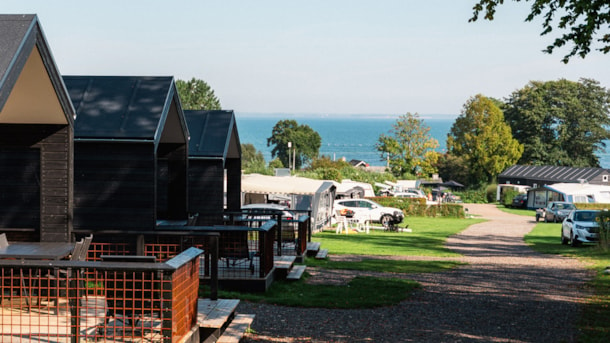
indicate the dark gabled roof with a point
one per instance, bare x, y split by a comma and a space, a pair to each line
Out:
127, 107
552, 173
213, 134
24, 49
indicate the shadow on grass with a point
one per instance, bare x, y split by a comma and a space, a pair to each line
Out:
356, 294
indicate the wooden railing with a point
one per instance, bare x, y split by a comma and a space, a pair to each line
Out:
70, 301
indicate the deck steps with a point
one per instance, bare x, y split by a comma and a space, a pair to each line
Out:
313, 248
321, 255
235, 331
215, 313
296, 272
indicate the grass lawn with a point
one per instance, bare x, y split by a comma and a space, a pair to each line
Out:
518, 211
426, 239
594, 325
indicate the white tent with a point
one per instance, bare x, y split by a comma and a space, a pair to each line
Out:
305, 194
347, 184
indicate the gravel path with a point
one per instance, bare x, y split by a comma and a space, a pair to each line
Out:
507, 293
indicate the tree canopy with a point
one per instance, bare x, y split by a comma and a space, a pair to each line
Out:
581, 22
252, 160
409, 146
483, 139
197, 95
305, 141
560, 123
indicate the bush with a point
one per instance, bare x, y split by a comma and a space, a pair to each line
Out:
418, 207
490, 193
506, 198
473, 196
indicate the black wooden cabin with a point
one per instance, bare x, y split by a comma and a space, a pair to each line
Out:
36, 136
130, 150
214, 154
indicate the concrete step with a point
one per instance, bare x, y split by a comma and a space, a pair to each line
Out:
296, 272
321, 255
235, 331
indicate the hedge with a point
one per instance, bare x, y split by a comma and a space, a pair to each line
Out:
418, 207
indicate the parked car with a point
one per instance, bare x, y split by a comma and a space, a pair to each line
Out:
557, 211
368, 210
520, 201
580, 226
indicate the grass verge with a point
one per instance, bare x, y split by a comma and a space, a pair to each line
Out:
356, 294
386, 266
593, 324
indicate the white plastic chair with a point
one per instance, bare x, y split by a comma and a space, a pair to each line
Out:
342, 223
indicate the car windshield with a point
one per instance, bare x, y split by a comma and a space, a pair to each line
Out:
565, 207
585, 216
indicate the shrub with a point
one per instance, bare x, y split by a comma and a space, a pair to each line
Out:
418, 207
490, 193
506, 198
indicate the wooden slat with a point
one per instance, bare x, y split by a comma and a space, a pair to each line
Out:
313, 246
215, 313
235, 332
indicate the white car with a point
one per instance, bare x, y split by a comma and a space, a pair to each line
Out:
368, 210
580, 226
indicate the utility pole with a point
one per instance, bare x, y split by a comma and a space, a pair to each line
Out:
289, 148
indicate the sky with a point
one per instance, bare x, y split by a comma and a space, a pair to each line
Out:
312, 57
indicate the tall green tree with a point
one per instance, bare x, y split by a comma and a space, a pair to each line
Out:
409, 146
560, 123
582, 22
252, 160
197, 95
305, 142
483, 139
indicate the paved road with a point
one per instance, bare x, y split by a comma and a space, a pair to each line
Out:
507, 293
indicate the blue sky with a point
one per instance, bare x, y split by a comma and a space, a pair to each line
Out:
327, 57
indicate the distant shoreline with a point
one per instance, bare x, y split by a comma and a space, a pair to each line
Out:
280, 115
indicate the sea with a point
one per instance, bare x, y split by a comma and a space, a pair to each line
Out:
352, 137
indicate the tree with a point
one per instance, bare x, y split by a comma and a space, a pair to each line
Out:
582, 21
560, 123
305, 141
197, 95
409, 146
482, 137
252, 160
454, 168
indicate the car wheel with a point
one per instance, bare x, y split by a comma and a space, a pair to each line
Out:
555, 219
387, 222
564, 240
546, 219
573, 242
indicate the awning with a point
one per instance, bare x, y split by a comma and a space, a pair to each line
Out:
264, 184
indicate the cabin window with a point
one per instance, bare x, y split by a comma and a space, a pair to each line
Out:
604, 178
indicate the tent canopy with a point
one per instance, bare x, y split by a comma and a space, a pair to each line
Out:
264, 184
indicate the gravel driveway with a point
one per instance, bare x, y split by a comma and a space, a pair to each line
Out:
507, 293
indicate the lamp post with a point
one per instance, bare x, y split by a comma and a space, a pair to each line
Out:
289, 148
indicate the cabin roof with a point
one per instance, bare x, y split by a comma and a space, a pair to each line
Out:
27, 72
552, 174
213, 134
127, 108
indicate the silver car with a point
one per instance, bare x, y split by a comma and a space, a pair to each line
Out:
557, 211
580, 226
